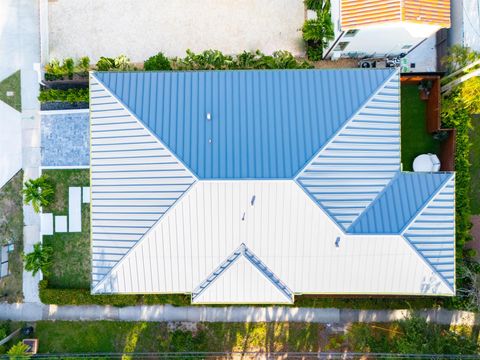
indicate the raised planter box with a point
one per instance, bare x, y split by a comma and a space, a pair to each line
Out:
59, 105
66, 84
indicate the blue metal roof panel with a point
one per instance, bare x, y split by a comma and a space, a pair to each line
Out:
264, 124
399, 203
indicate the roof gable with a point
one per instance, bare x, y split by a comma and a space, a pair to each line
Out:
263, 124
399, 203
242, 278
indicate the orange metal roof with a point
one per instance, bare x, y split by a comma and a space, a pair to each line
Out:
358, 13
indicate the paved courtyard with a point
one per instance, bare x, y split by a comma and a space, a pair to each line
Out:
65, 139
110, 27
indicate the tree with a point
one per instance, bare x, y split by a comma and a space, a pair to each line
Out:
38, 192
18, 352
38, 259
318, 32
459, 57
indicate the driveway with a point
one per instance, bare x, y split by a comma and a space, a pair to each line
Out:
141, 28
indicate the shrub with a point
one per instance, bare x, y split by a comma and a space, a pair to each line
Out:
105, 64
70, 95
83, 66
157, 62
318, 32
38, 259
84, 297
121, 63
38, 192
216, 60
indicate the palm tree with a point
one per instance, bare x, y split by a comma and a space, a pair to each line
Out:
38, 192
38, 259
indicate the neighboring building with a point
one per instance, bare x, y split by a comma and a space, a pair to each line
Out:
465, 29
381, 28
255, 186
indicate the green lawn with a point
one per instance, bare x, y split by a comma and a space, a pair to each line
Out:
415, 139
71, 251
410, 336
475, 166
114, 336
11, 229
11, 83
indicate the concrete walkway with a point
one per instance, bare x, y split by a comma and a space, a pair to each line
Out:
29, 53
35, 312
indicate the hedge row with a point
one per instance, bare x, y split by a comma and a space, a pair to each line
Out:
70, 95
84, 297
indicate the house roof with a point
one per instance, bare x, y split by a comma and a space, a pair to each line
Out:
166, 221
359, 13
264, 124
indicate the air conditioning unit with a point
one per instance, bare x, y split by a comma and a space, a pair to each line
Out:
366, 64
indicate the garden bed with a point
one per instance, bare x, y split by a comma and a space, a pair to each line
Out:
11, 228
59, 105
475, 166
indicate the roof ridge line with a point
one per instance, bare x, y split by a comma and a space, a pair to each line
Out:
345, 124
120, 261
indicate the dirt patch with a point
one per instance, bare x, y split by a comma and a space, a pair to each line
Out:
475, 231
336, 64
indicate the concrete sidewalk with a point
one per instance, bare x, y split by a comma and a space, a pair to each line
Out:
34, 312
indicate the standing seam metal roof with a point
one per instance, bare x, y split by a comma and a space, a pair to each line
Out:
264, 124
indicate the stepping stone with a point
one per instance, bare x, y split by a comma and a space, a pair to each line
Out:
4, 271
46, 224
86, 194
60, 224
74, 209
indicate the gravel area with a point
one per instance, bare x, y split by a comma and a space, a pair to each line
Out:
141, 28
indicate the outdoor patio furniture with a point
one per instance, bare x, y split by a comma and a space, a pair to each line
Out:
426, 163
60, 224
46, 224
74, 209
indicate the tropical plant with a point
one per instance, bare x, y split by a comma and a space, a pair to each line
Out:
314, 4
38, 192
18, 352
69, 67
459, 57
105, 64
83, 65
122, 63
318, 32
157, 62
38, 259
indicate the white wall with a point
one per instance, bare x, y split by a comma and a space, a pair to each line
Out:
465, 28
385, 39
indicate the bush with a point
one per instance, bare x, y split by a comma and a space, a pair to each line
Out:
157, 62
68, 68
70, 95
120, 63
216, 60
318, 32
84, 297
314, 51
